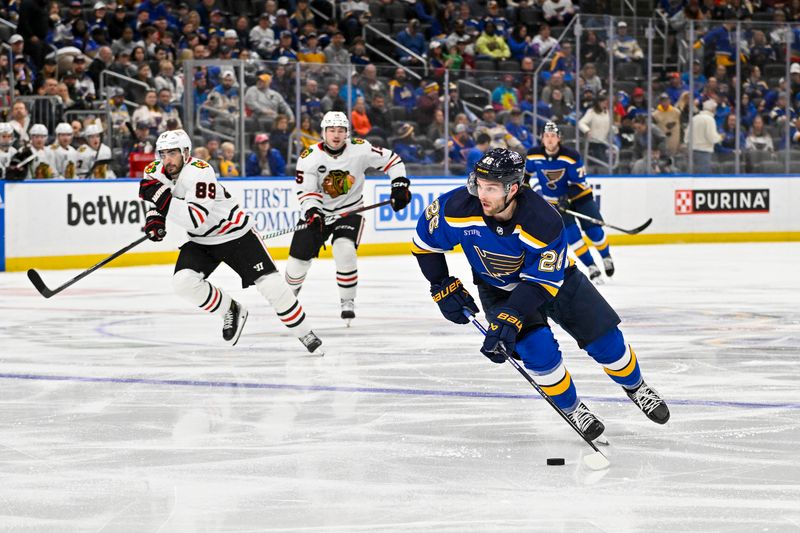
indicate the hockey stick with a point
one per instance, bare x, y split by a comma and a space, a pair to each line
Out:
599, 222
303, 225
37, 281
596, 460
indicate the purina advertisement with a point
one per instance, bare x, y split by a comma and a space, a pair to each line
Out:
74, 224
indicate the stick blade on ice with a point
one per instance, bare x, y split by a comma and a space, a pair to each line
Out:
596, 461
38, 282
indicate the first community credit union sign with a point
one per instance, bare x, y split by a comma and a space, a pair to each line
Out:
721, 201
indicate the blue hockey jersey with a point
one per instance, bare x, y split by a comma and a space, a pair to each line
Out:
530, 248
558, 175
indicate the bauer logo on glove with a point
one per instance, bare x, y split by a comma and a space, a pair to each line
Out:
337, 183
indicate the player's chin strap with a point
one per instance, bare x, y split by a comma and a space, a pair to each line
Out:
596, 460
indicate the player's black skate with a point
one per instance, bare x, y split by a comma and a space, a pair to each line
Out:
648, 400
348, 310
608, 266
312, 343
233, 322
594, 274
587, 422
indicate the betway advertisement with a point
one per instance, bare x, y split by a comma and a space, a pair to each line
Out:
59, 224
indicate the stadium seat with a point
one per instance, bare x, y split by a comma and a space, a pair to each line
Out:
627, 71
395, 12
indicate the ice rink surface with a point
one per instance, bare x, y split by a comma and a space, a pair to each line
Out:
124, 411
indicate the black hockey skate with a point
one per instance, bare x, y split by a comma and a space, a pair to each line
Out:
647, 399
348, 310
608, 266
233, 322
587, 422
312, 343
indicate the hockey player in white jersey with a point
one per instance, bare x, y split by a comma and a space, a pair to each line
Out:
42, 167
62, 154
7, 149
330, 182
93, 151
219, 231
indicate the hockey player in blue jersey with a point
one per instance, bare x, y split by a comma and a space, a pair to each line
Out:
561, 180
517, 248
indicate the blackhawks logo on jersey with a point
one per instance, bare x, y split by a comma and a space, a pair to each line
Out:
356, 140
99, 171
149, 169
69, 171
42, 171
200, 164
337, 183
305, 153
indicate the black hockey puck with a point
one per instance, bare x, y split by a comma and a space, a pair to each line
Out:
555, 461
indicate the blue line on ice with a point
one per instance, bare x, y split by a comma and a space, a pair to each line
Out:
369, 390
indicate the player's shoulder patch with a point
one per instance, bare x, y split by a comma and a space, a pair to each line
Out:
82, 148
357, 140
306, 153
151, 168
54, 146
199, 163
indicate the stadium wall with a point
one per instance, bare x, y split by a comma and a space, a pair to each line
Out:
64, 224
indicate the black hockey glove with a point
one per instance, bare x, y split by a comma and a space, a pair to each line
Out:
563, 203
452, 298
315, 219
401, 195
155, 226
152, 190
501, 335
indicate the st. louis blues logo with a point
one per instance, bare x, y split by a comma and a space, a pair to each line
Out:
553, 176
499, 265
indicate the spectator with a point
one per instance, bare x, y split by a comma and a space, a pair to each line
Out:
370, 84
227, 167
262, 37
516, 128
498, 134
457, 105
676, 87
169, 111
225, 97
359, 118
491, 45
495, 16
703, 137
379, 117
482, 144
20, 121
520, 43
759, 140
760, 51
332, 101
625, 47
436, 128
562, 61
668, 118
557, 82
285, 47
504, 97
590, 79
658, 164
311, 52
411, 41
559, 110
729, 137
337, 56
405, 147
264, 102
719, 39
543, 42
754, 86
120, 116
596, 124
310, 103
593, 50
265, 160
150, 112
558, 12
640, 136
700, 79
167, 79
460, 144
309, 134
281, 134
102, 61
427, 104
402, 91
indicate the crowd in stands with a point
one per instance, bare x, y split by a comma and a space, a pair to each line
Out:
462, 81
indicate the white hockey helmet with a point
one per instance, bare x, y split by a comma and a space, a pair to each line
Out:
63, 129
333, 119
6, 128
38, 129
175, 139
92, 129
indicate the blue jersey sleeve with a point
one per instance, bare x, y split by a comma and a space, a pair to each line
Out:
433, 235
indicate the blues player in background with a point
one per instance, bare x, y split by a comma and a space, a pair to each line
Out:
517, 247
561, 180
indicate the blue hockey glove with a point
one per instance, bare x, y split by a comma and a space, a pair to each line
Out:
452, 298
501, 335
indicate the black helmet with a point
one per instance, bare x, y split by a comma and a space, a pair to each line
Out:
551, 127
498, 164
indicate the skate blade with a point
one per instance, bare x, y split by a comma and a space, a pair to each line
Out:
602, 440
242, 321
